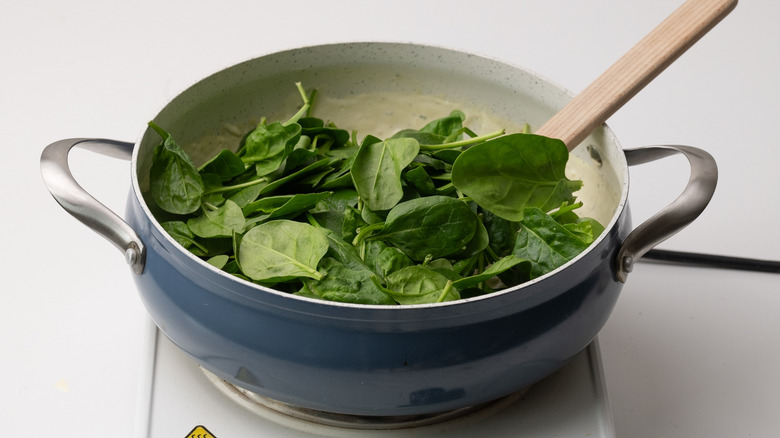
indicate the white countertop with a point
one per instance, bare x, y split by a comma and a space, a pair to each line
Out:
688, 352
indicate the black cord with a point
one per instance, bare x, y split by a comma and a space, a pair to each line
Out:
713, 261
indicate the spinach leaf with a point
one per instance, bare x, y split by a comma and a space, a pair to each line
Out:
509, 173
385, 259
545, 243
268, 145
214, 246
493, 270
587, 229
340, 177
351, 223
565, 213
334, 211
418, 178
246, 195
281, 250
376, 171
436, 132
430, 162
372, 217
347, 285
294, 176
300, 156
323, 133
446, 126
220, 222
419, 285
501, 233
284, 205
226, 165
447, 155
477, 244
212, 194
419, 136
183, 236
176, 185
344, 253
443, 267
218, 261
433, 226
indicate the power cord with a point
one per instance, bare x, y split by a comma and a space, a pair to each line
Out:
713, 261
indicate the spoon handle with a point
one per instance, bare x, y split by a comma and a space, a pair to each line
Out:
635, 69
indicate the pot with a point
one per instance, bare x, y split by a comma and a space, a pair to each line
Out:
379, 361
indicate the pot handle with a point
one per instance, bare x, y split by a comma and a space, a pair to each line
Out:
80, 204
677, 215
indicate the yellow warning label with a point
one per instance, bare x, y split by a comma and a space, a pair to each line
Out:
200, 432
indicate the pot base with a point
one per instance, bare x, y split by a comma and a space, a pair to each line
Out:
307, 419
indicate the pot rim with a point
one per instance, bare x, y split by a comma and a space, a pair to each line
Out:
608, 135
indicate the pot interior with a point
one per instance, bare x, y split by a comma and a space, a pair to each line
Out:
377, 89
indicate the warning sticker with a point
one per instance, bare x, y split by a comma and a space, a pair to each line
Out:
200, 432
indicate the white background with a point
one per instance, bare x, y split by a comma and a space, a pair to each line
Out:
688, 352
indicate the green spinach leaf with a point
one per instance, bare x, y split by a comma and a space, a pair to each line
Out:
219, 261
226, 165
545, 243
176, 185
501, 233
433, 226
420, 285
509, 173
221, 222
376, 171
347, 285
587, 229
418, 178
493, 270
284, 206
268, 145
183, 236
385, 259
281, 250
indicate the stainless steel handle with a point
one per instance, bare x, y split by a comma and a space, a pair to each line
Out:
76, 201
677, 215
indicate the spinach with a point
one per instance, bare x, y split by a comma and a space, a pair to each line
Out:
281, 250
385, 259
219, 261
420, 285
268, 145
545, 243
433, 226
225, 165
176, 185
431, 214
182, 234
274, 207
219, 222
493, 270
347, 285
506, 174
376, 171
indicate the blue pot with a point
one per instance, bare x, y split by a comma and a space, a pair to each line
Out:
376, 360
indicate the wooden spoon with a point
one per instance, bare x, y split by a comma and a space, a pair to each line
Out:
641, 64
